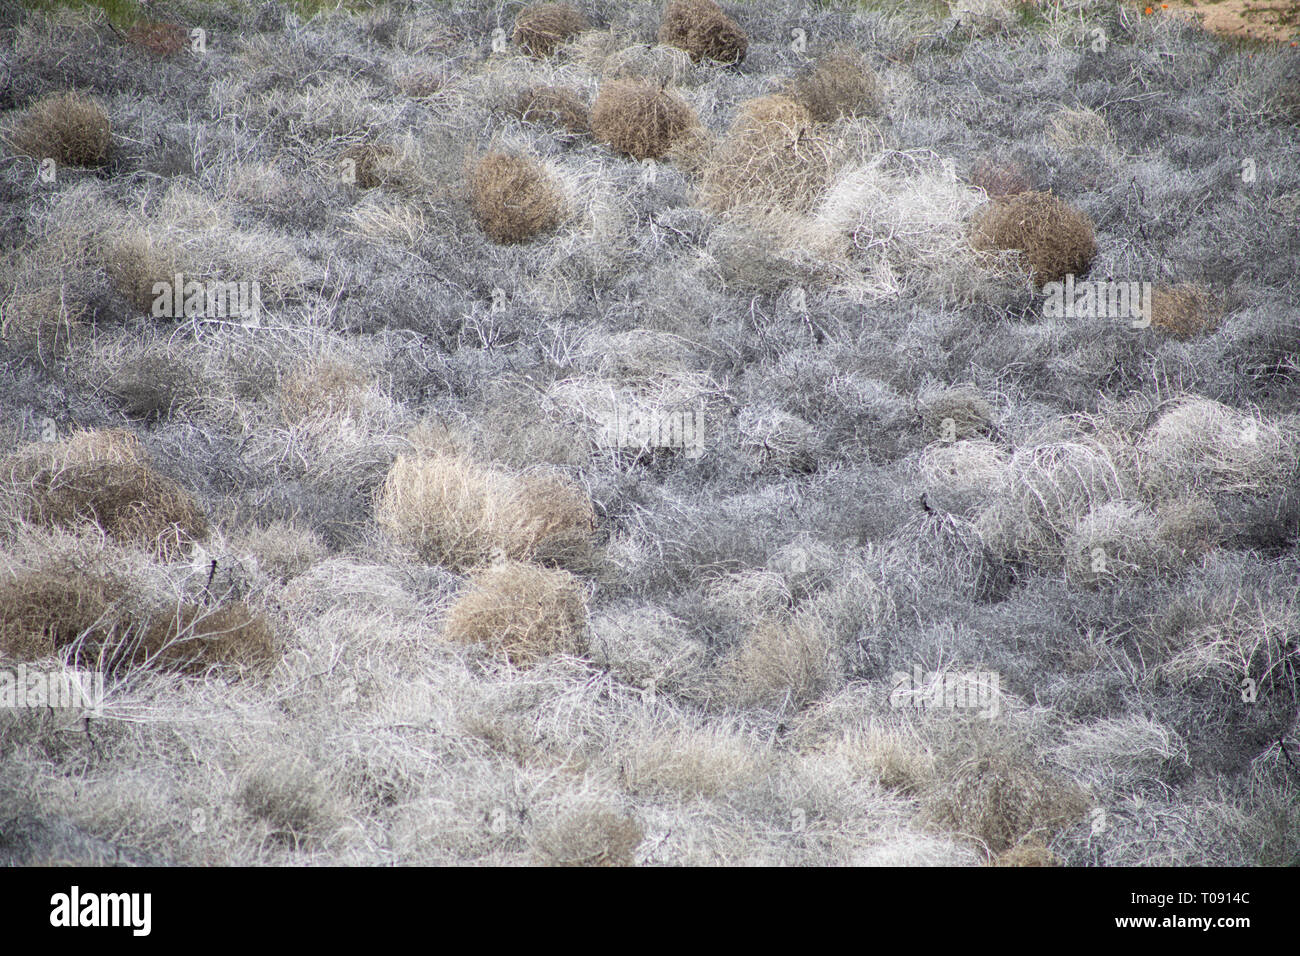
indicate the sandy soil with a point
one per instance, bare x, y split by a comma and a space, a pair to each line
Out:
1274, 20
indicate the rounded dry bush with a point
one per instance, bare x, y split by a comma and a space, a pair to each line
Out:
963, 475
320, 389
69, 128
103, 478
46, 609
702, 29
1222, 635
640, 120
1029, 853
522, 612
105, 623
194, 638
422, 84
708, 762
513, 198
542, 28
553, 522
371, 164
160, 39
839, 84
955, 414
1113, 542
42, 323
1050, 487
1079, 129
459, 514
556, 106
770, 159
770, 248
136, 263
894, 759
1198, 444
151, 382
588, 836
783, 661
1000, 800
1184, 311
284, 550
1052, 238
659, 64
774, 108
291, 797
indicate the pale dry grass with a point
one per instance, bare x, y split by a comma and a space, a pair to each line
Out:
905, 216
606, 55
1053, 485
1113, 542
1229, 637
1129, 749
889, 756
1080, 129
727, 704
689, 763
521, 612
194, 234
646, 647
102, 479
283, 549
963, 476
772, 158
998, 801
460, 514
100, 620
320, 389
42, 322
1197, 444
784, 661
588, 835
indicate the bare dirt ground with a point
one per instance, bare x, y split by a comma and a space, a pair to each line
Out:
1268, 20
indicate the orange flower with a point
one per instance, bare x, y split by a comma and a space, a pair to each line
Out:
1148, 11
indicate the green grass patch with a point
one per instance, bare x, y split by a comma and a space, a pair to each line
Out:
122, 14
936, 9
1030, 15
309, 8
